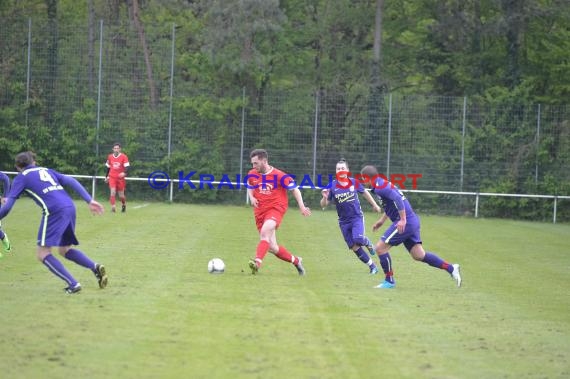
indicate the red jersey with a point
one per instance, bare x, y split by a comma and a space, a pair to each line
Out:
270, 189
117, 164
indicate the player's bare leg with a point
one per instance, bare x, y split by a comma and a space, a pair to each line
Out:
112, 199
123, 199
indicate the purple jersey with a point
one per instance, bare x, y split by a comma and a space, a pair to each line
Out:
346, 199
45, 187
392, 200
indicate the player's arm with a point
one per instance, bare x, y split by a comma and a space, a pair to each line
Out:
6, 183
380, 222
65, 180
325, 197
126, 166
6, 186
305, 211
252, 198
371, 200
392, 193
74, 185
108, 170
14, 193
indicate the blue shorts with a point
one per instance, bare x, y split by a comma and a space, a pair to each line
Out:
58, 228
353, 232
410, 237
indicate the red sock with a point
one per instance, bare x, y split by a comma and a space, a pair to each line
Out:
261, 251
112, 200
286, 256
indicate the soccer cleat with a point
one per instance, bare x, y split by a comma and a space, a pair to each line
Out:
373, 270
386, 284
123, 208
253, 266
299, 267
370, 247
73, 289
101, 275
456, 274
6, 243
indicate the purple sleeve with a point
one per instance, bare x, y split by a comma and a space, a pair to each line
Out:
6, 181
15, 192
7, 207
386, 189
330, 195
75, 185
358, 186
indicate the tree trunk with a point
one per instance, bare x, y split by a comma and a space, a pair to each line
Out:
91, 47
377, 56
514, 20
51, 63
134, 4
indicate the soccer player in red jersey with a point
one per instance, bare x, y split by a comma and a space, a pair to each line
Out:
117, 165
267, 191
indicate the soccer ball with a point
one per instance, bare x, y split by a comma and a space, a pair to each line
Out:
216, 266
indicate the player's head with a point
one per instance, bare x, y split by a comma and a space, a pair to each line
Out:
370, 172
25, 159
116, 148
259, 160
342, 168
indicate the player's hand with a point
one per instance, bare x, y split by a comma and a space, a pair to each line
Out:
306, 211
3, 200
377, 225
96, 208
106, 179
376, 209
325, 193
122, 175
254, 202
401, 226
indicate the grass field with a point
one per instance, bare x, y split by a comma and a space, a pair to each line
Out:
164, 316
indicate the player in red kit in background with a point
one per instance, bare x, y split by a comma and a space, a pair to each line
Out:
267, 191
117, 165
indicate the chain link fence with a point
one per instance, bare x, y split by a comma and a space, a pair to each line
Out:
69, 94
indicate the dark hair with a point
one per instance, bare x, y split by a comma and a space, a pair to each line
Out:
25, 159
116, 144
259, 153
342, 160
369, 170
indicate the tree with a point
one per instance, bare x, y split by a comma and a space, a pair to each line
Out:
134, 11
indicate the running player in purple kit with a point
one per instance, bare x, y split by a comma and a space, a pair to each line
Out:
57, 225
3, 236
405, 229
344, 194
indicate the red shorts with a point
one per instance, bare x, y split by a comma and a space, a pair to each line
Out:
270, 214
118, 183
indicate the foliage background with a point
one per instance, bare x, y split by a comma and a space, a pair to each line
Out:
307, 80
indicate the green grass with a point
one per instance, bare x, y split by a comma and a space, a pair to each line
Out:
164, 316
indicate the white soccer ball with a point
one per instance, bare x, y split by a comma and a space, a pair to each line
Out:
216, 266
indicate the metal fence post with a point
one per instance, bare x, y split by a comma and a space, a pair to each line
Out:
98, 121
242, 139
171, 195
463, 143
389, 136
28, 70
316, 124
537, 145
